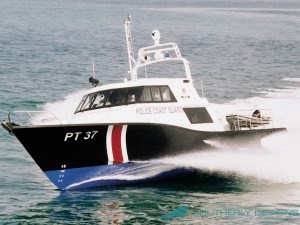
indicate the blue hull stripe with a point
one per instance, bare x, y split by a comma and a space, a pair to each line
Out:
115, 174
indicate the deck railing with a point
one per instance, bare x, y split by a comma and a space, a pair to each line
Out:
250, 119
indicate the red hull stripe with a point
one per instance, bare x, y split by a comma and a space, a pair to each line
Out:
116, 144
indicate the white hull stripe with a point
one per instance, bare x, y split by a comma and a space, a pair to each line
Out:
116, 144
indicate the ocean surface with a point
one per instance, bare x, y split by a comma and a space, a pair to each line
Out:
247, 54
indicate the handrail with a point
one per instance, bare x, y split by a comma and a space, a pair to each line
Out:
249, 120
34, 117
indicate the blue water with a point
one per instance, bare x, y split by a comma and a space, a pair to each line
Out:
245, 53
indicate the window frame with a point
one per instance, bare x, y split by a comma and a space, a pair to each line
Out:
155, 94
201, 113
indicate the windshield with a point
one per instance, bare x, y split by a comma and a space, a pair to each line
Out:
125, 96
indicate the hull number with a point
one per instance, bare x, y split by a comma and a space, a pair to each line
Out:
89, 135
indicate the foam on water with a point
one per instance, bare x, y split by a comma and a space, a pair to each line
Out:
295, 79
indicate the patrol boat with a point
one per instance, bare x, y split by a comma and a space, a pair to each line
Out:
117, 128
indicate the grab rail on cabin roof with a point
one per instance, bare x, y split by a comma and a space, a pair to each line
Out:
36, 117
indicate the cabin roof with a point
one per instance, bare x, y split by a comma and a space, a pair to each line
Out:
140, 82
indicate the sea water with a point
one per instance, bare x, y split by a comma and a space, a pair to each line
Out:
247, 55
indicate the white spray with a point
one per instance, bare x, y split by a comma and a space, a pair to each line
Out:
64, 109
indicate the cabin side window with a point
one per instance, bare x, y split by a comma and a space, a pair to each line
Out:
117, 97
155, 94
133, 94
146, 95
165, 94
198, 115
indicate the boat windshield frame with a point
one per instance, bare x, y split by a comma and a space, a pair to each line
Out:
125, 96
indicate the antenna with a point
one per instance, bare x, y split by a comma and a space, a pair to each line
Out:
130, 52
94, 69
93, 79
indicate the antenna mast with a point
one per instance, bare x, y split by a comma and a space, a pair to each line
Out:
130, 52
94, 76
93, 79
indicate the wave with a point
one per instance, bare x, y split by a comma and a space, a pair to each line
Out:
292, 79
